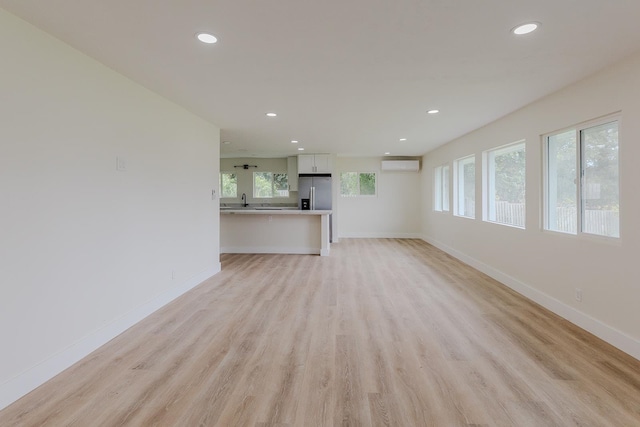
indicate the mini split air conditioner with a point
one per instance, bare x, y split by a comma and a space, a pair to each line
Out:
401, 165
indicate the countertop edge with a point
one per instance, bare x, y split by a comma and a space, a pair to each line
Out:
273, 212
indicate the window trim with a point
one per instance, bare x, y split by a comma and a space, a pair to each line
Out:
437, 188
544, 205
358, 173
488, 185
457, 194
440, 191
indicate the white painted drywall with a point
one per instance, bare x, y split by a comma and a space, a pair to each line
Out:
86, 250
394, 212
549, 266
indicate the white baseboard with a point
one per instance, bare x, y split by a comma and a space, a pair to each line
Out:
603, 331
15, 388
384, 235
269, 250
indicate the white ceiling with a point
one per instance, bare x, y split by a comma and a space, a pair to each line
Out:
352, 76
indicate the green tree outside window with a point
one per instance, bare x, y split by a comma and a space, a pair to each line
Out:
354, 184
267, 185
228, 185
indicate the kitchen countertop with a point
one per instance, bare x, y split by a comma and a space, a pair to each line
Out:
273, 211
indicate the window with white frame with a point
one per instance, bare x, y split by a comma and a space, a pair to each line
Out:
465, 187
228, 185
581, 180
504, 185
441, 188
267, 185
354, 184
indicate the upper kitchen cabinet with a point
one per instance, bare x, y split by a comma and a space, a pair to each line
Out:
292, 172
314, 163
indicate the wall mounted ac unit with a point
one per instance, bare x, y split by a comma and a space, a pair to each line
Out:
401, 165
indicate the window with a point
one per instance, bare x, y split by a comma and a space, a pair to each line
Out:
465, 186
228, 185
504, 185
267, 185
441, 188
354, 184
582, 187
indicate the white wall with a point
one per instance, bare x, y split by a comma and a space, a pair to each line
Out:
394, 212
549, 266
245, 178
85, 250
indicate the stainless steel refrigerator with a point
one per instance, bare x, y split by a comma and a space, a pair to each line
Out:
316, 188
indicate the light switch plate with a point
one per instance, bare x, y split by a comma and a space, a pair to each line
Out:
121, 164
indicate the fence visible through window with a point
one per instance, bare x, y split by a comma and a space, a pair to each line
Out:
510, 213
603, 223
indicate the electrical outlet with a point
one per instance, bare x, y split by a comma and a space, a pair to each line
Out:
173, 274
578, 295
270, 218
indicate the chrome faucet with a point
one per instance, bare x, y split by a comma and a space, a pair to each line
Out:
244, 200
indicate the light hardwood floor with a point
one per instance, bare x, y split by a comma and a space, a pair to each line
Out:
383, 332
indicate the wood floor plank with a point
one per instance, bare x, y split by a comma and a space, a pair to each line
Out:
351, 407
384, 332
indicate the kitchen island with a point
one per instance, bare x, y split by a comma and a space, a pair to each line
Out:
274, 231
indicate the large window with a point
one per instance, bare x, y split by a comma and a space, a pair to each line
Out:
581, 188
441, 188
465, 187
228, 185
268, 185
353, 184
504, 185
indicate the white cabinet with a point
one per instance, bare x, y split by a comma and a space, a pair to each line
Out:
314, 163
306, 163
323, 163
292, 173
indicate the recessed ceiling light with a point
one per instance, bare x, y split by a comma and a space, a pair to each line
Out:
206, 38
226, 142
387, 153
300, 149
525, 28
270, 114
293, 141
403, 139
433, 111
